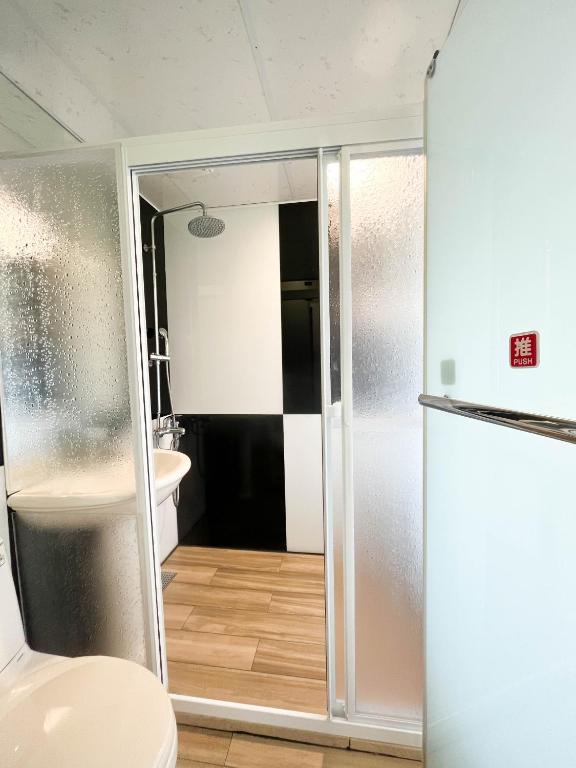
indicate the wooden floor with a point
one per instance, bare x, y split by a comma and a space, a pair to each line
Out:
247, 627
203, 748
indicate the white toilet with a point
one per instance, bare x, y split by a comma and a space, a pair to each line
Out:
88, 712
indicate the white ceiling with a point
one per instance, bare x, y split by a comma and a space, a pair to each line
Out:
24, 125
134, 67
246, 184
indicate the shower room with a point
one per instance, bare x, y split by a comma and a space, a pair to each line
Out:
236, 311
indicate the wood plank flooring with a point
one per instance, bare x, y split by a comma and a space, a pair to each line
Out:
202, 748
247, 627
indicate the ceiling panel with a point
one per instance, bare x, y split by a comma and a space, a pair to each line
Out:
327, 57
28, 60
156, 66
231, 185
133, 67
24, 125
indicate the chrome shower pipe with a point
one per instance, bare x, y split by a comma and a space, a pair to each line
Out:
157, 358
164, 333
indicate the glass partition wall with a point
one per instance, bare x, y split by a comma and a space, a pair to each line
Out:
75, 470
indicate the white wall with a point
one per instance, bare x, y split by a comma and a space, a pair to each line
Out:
224, 320
303, 483
224, 314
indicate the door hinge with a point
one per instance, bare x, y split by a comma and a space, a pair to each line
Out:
432, 66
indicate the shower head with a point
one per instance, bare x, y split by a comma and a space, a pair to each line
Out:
206, 226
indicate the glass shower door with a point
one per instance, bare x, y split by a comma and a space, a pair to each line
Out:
375, 261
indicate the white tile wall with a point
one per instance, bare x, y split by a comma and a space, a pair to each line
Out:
223, 299
303, 480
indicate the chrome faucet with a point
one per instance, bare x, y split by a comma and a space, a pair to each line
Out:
168, 425
165, 425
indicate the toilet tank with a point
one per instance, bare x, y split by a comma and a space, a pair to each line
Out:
11, 629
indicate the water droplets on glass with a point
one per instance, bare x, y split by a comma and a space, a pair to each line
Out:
66, 399
61, 310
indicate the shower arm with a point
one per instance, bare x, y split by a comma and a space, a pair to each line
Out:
152, 248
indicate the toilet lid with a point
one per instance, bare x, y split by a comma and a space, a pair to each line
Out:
90, 712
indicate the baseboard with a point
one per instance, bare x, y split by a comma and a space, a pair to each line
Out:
300, 735
259, 729
382, 748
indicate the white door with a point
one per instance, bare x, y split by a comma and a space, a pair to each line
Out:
501, 517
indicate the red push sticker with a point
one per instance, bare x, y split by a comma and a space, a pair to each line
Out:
524, 350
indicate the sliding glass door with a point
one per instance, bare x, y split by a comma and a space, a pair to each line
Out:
374, 426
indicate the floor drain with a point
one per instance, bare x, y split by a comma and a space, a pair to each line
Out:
167, 577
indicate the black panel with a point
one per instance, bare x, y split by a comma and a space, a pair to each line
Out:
146, 213
60, 580
192, 504
301, 354
46, 612
242, 463
299, 270
298, 224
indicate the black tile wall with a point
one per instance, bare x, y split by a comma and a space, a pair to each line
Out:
299, 274
241, 461
299, 255
146, 213
192, 505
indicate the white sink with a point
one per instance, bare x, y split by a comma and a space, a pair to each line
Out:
109, 486
170, 467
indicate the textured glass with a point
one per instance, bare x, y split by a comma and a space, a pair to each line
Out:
64, 370
80, 588
387, 320
66, 405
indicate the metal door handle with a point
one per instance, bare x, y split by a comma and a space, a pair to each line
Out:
546, 426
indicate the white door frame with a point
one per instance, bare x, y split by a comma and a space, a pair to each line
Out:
401, 129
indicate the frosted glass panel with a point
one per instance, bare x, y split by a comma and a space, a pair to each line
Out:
65, 400
80, 584
387, 309
64, 370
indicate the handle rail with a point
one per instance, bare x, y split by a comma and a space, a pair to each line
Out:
546, 426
